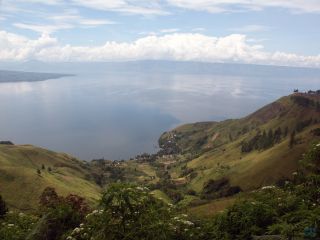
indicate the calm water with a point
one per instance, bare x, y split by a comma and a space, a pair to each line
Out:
119, 115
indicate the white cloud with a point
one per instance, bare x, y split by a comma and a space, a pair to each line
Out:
66, 20
170, 30
176, 46
250, 28
216, 6
142, 7
161, 7
42, 28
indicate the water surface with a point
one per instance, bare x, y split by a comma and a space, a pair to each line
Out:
118, 115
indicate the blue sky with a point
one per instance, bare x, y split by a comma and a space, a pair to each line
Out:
280, 32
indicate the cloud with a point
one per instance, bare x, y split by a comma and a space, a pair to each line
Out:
66, 20
141, 7
164, 7
170, 30
43, 28
217, 6
176, 46
250, 28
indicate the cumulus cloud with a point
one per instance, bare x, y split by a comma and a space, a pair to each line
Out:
175, 46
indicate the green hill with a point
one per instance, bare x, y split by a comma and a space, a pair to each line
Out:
21, 185
251, 152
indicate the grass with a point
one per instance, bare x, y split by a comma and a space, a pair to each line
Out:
21, 185
220, 155
161, 195
210, 209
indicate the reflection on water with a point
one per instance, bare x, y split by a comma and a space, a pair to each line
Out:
118, 116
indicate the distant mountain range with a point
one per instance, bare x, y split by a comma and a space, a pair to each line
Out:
152, 66
20, 76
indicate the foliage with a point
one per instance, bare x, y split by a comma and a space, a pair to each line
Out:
59, 215
219, 188
3, 207
16, 226
130, 212
290, 211
262, 141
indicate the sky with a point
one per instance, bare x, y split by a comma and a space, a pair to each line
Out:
276, 32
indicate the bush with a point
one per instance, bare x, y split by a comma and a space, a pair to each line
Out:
130, 212
16, 226
59, 215
3, 208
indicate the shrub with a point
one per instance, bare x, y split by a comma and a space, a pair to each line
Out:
59, 215
3, 208
16, 226
130, 212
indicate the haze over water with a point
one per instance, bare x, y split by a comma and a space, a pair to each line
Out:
117, 115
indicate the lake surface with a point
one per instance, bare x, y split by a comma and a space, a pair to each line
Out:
118, 115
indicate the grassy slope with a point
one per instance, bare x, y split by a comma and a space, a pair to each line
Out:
21, 186
220, 154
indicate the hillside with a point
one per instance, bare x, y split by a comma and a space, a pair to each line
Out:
240, 150
21, 185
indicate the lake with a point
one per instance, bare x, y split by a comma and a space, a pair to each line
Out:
116, 115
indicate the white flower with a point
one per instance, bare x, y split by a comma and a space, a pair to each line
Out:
188, 223
268, 187
76, 230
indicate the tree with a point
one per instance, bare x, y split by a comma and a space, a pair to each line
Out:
38, 172
292, 140
286, 130
59, 215
277, 135
3, 208
49, 198
43, 167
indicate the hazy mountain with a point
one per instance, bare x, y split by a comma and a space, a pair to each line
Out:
163, 67
20, 76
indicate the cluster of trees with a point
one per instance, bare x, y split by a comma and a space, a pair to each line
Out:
56, 216
219, 188
6, 143
303, 124
264, 140
305, 102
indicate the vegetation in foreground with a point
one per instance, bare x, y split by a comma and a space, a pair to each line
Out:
128, 211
